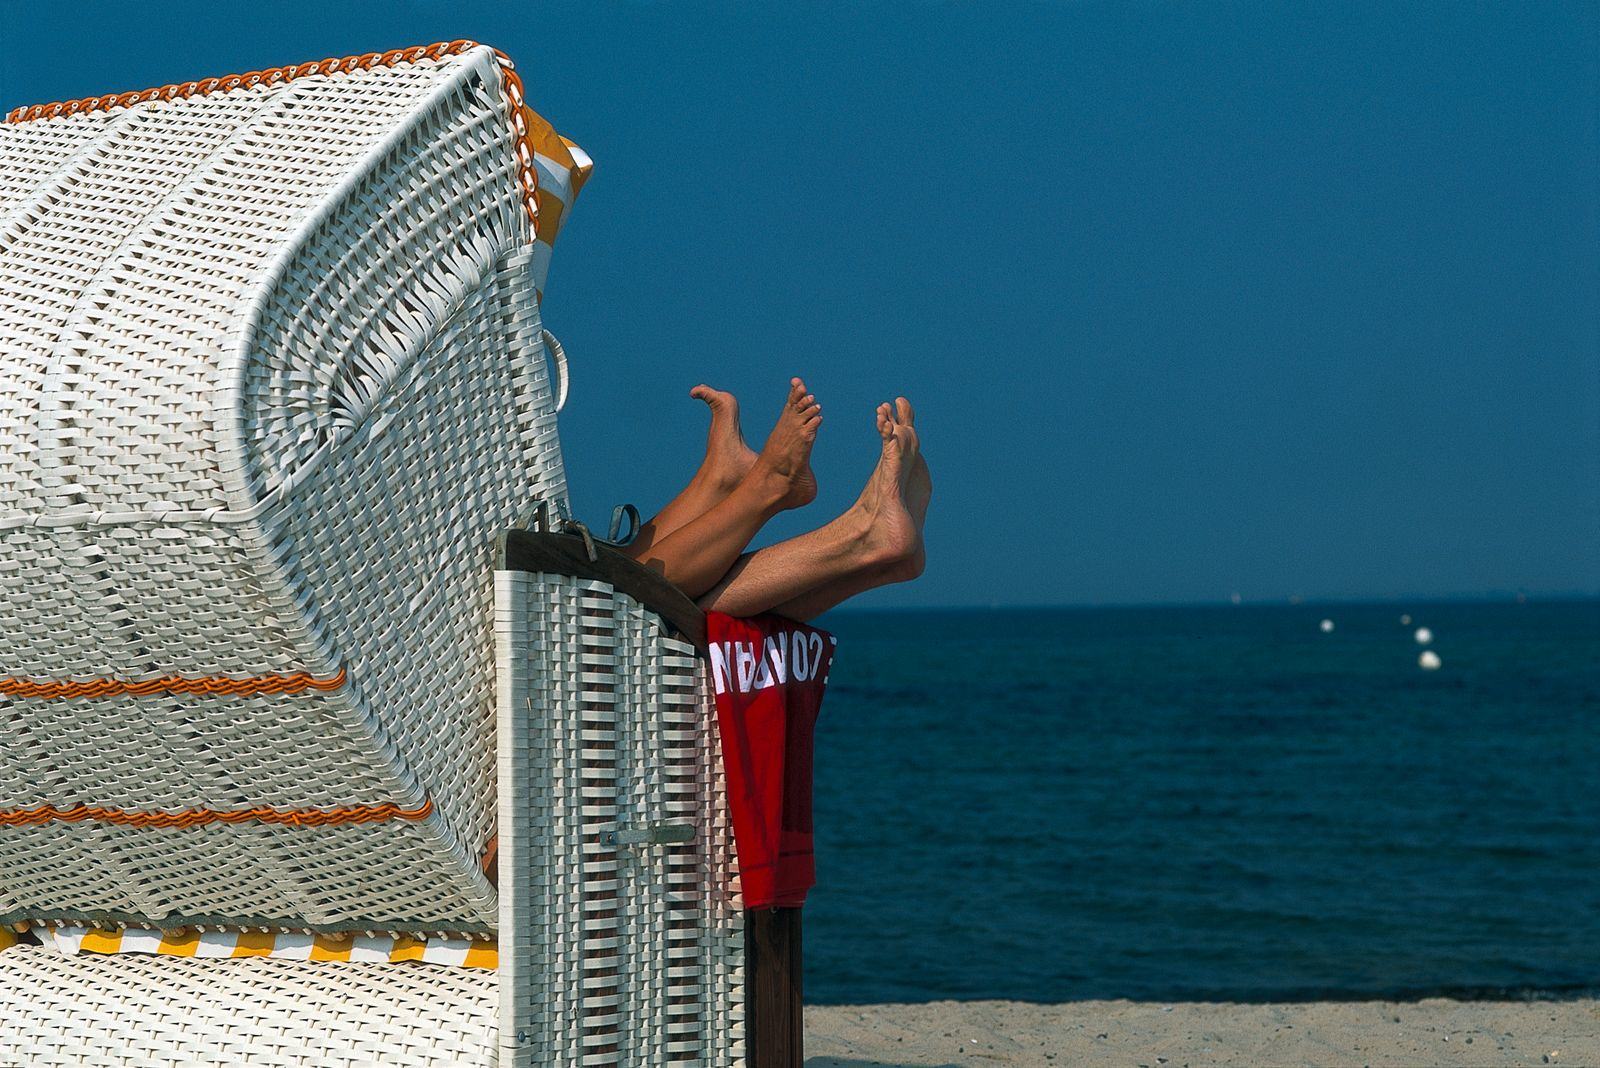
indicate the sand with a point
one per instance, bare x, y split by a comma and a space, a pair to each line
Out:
1179, 1035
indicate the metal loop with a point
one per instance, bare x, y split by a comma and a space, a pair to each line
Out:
618, 514
559, 355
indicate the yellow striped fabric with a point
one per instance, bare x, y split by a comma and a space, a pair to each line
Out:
562, 169
455, 952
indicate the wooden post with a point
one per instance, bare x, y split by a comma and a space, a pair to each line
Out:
774, 1005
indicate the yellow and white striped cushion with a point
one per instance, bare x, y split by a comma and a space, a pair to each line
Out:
562, 167
456, 952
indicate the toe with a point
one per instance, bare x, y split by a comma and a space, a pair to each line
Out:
885, 422
797, 391
716, 398
904, 412
906, 438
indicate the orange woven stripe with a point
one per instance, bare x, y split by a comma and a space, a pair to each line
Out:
200, 817
267, 684
521, 128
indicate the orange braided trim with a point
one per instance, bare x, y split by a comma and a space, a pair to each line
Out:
200, 817
521, 128
267, 684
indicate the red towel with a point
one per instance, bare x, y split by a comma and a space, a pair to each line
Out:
769, 673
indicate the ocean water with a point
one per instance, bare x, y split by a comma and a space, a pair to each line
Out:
1208, 803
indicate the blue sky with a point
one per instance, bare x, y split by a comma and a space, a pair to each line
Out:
1270, 298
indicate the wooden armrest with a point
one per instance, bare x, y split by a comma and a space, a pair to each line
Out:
567, 554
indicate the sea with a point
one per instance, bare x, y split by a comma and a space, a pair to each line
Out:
1208, 803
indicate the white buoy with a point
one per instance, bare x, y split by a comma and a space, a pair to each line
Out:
1327, 626
1424, 636
1429, 660
1405, 621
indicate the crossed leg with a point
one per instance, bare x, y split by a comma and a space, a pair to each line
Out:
695, 539
877, 541
728, 459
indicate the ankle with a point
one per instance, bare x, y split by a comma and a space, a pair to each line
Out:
853, 530
880, 541
767, 485
762, 490
715, 479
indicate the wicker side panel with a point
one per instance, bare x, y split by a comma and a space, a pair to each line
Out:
611, 955
396, 406
345, 877
135, 1011
136, 600
168, 752
390, 538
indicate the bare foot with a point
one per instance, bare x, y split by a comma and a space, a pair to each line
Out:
919, 492
892, 533
784, 465
919, 485
728, 458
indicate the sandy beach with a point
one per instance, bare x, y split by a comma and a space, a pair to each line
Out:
1379, 1034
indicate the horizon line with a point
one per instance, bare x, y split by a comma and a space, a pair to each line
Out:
1247, 602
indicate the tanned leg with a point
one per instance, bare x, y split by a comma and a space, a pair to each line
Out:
696, 555
728, 459
876, 541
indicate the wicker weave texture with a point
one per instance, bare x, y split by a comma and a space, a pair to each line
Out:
95, 1011
610, 955
271, 376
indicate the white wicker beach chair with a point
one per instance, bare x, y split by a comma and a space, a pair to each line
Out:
273, 379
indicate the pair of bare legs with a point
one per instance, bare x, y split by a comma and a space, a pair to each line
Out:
698, 540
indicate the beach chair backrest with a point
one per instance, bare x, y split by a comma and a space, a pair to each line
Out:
272, 377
